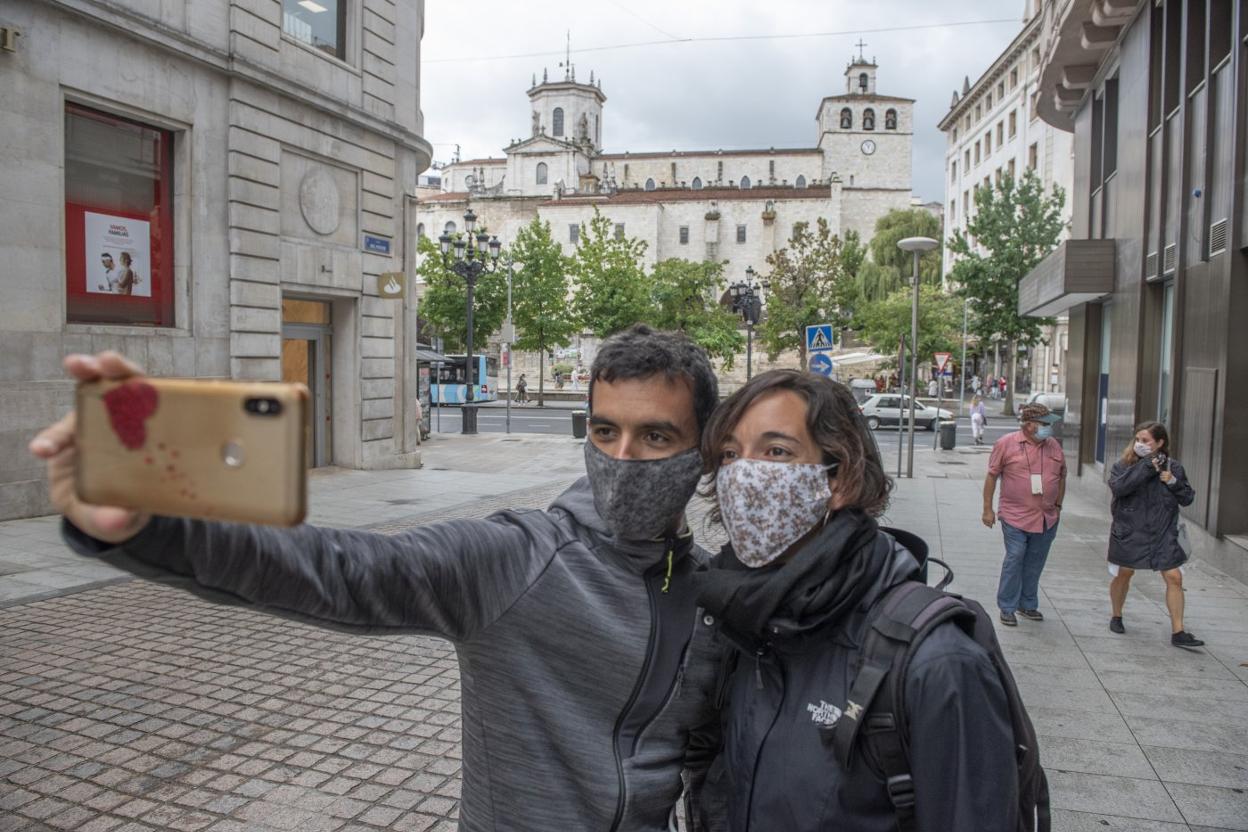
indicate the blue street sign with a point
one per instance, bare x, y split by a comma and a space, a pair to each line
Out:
377, 245
819, 338
821, 364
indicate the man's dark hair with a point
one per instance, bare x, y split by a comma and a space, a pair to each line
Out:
641, 352
834, 422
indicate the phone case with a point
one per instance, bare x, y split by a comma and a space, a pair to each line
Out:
194, 448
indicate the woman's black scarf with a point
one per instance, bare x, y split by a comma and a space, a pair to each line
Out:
824, 581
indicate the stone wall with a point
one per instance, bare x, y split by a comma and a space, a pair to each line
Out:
283, 159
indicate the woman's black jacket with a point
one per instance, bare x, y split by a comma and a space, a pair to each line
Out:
776, 773
1145, 533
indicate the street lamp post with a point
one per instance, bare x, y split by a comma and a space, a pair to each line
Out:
747, 303
915, 245
474, 255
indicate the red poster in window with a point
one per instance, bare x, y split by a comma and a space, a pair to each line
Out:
118, 221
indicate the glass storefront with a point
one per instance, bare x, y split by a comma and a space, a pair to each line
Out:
118, 220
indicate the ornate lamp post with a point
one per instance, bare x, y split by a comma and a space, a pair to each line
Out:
747, 303
474, 254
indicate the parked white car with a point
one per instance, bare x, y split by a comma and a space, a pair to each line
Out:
882, 409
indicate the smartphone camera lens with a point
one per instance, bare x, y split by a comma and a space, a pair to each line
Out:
262, 406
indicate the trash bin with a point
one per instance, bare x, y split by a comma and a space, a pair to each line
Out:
948, 435
578, 424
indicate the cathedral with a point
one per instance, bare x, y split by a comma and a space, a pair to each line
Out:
731, 205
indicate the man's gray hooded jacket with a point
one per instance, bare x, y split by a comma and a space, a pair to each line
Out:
584, 660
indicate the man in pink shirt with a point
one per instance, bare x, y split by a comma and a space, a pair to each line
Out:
1032, 469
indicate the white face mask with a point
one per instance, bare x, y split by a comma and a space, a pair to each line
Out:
767, 506
1142, 450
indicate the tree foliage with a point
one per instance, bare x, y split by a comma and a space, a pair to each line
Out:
896, 226
1014, 227
685, 299
882, 323
808, 286
540, 311
613, 291
444, 305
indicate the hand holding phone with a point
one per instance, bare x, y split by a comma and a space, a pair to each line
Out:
55, 444
197, 448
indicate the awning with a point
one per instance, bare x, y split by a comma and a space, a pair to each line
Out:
431, 356
1078, 271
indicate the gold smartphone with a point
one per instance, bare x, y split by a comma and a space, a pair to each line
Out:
194, 448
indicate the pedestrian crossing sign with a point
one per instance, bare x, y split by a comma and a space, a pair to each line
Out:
819, 338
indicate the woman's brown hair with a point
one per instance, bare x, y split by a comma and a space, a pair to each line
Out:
834, 422
1156, 430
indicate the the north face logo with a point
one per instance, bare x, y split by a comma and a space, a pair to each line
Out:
824, 713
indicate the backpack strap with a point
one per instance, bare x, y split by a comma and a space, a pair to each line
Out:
898, 622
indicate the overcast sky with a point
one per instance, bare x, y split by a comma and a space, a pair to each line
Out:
700, 95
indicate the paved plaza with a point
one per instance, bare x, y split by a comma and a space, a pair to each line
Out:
131, 705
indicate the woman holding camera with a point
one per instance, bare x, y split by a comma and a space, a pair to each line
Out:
1148, 487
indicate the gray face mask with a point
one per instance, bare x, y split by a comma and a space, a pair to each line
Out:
639, 498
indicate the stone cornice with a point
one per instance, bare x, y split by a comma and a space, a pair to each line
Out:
125, 22
1024, 39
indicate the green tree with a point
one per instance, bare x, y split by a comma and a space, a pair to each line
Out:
897, 225
444, 304
612, 287
1015, 225
807, 287
940, 322
685, 299
539, 300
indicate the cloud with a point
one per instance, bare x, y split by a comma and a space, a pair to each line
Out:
691, 96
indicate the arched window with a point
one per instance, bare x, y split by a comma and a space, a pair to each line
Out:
890, 119
847, 118
558, 122
745, 182
697, 183
801, 182
649, 184
449, 228
862, 81
868, 119
542, 171
420, 231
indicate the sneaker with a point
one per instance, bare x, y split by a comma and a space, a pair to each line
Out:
1008, 619
1115, 625
1185, 639
1032, 615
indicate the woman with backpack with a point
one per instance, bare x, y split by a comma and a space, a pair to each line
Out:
1148, 486
796, 596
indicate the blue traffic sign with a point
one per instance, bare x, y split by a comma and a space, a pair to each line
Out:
821, 364
819, 338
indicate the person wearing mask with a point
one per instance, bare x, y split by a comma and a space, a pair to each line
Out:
591, 671
979, 418
798, 484
1148, 486
1032, 469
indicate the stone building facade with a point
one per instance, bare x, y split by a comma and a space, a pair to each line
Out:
245, 166
858, 170
993, 128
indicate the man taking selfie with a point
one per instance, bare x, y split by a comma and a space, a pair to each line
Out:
585, 665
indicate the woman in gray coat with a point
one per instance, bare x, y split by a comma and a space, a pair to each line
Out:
1148, 488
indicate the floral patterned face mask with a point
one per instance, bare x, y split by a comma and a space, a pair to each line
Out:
767, 506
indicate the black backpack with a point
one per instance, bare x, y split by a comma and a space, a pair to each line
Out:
896, 625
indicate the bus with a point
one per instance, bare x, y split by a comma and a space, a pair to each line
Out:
451, 384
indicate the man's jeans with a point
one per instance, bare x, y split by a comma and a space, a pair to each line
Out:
1025, 554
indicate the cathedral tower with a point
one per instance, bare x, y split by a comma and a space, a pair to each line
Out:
567, 110
866, 140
